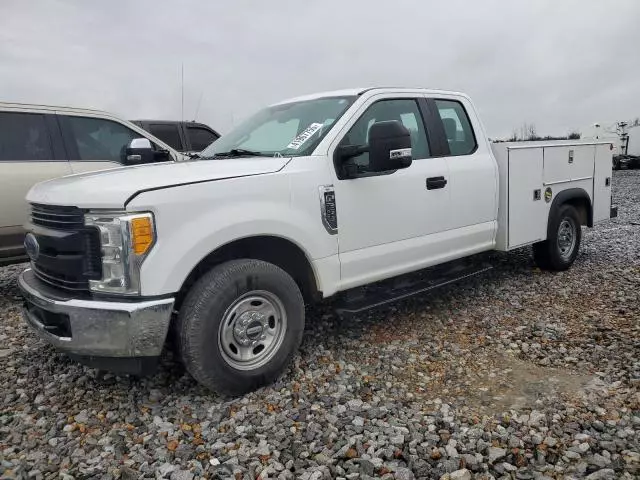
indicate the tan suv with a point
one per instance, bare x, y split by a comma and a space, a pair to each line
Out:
39, 142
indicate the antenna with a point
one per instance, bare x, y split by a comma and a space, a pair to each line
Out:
195, 115
182, 95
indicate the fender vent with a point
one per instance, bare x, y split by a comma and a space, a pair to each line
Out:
328, 208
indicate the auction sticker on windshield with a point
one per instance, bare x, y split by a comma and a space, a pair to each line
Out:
305, 135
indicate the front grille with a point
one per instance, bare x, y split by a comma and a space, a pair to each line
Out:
59, 218
61, 279
69, 253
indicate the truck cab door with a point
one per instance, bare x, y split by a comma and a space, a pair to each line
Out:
387, 222
473, 173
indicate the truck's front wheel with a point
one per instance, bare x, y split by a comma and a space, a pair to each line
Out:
240, 325
560, 249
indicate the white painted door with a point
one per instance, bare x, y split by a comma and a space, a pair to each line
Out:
473, 176
528, 209
384, 221
602, 183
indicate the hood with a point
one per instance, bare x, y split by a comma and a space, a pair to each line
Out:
112, 188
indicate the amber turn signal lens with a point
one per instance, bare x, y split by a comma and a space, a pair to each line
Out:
141, 234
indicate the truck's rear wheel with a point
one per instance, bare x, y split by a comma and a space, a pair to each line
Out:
240, 325
560, 249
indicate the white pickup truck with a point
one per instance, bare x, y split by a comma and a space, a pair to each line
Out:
308, 198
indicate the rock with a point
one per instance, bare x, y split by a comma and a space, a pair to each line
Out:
322, 459
366, 467
358, 421
451, 451
182, 475
127, 473
604, 474
263, 450
421, 468
572, 455
184, 452
397, 440
81, 417
536, 419
583, 447
496, 453
550, 441
599, 460
403, 474
462, 474
166, 468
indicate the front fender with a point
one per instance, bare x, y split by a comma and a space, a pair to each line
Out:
186, 234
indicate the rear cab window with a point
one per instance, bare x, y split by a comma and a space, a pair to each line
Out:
457, 127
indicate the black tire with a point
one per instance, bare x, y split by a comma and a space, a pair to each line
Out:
549, 255
199, 330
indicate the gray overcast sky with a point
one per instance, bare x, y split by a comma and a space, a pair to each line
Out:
560, 64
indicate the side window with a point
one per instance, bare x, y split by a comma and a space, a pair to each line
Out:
24, 136
100, 139
402, 110
168, 133
200, 138
457, 127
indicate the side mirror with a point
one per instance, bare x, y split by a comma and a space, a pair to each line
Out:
139, 151
389, 146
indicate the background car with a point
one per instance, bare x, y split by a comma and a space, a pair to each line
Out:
185, 137
39, 143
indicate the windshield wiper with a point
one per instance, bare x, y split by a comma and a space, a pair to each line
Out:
238, 152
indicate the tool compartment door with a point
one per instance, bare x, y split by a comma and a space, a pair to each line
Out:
602, 183
527, 210
568, 163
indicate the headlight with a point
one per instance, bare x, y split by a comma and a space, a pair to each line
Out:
125, 240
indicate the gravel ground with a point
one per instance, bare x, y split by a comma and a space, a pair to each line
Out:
514, 374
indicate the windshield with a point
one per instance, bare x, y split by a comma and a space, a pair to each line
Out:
289, 129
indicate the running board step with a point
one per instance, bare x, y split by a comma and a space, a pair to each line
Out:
388, 291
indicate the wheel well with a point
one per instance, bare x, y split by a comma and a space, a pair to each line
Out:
578, 199
583, 207
279, 251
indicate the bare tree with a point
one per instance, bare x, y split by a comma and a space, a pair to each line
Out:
528, 132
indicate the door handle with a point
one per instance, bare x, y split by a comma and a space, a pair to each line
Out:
434, 183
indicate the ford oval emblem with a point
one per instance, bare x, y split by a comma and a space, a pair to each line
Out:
32, 246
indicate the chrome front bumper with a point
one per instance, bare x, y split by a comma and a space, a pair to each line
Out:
96, 328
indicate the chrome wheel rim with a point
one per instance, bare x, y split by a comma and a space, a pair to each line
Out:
566, 238
252, 330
